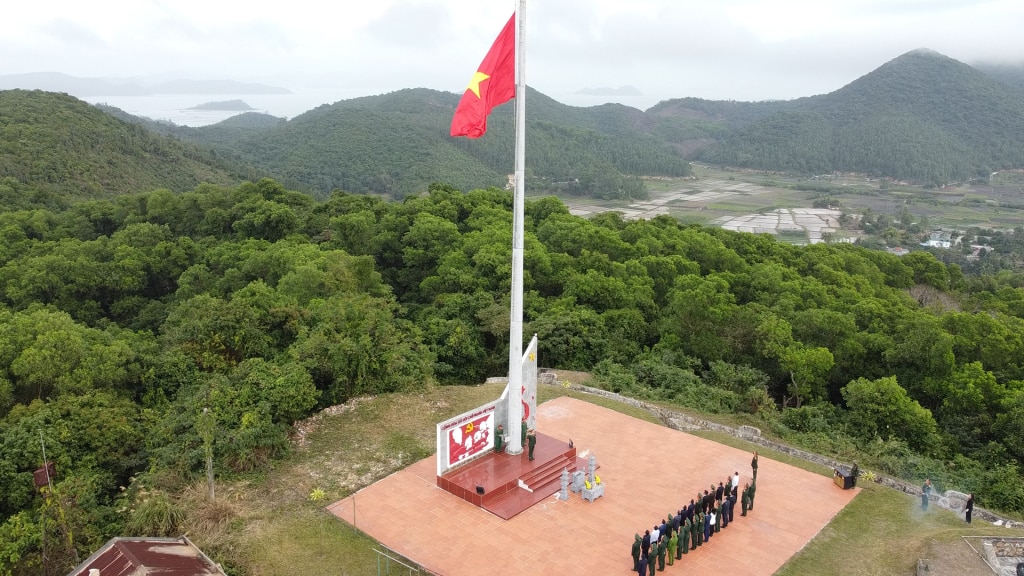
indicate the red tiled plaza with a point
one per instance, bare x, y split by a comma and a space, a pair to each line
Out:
648, 471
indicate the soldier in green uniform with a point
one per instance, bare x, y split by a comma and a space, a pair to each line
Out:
745, 496
635, 552
522, 434
673, 543
499, 439
652, 559
753, 464
531, 439
685, 536
753, 487
699, 525
662, 550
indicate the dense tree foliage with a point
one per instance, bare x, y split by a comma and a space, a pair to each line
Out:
59, 144
140, 335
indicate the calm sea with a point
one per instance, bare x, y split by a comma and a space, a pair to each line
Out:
175, 107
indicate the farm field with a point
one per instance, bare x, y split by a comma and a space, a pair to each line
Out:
759, 202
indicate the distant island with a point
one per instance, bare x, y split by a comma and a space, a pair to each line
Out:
606, 91
225, 105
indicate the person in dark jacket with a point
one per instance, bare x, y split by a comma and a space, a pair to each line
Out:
641, 567
746, 499
969, 508
645, 543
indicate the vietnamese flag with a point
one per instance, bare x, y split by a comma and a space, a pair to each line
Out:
493, 84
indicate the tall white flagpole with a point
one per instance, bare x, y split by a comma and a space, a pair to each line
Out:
514, 419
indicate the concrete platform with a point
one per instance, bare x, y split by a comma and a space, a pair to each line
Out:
648, 470
492, 481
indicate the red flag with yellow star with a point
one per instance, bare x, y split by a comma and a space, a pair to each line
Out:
493, 84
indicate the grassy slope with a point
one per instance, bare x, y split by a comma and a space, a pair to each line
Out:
272, 527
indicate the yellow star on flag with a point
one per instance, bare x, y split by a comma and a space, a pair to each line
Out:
532, 356
474, 84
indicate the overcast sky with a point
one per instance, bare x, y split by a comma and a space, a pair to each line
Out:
716, 49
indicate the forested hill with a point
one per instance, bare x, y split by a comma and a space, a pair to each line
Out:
141, 335
58, 145
1009, 74
922, 117
398, 143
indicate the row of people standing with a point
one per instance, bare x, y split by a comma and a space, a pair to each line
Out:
692, 526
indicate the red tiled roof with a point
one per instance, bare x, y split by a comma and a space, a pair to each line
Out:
147, 556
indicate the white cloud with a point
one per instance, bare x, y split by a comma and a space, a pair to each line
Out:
730, 49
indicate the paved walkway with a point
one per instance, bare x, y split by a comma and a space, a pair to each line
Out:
648, 470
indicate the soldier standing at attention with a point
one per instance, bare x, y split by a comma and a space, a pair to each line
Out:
753, 488
673, 545
745, 502
753, 464
641, 567
698, 527
531, 438
635, 552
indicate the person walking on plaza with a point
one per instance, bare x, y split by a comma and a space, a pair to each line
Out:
969, 508
926, 491
635, 551
753, 464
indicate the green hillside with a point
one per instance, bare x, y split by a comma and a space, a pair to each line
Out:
57, 143
922, 117
398, 144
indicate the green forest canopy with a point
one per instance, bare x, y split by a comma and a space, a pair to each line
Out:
140, 331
